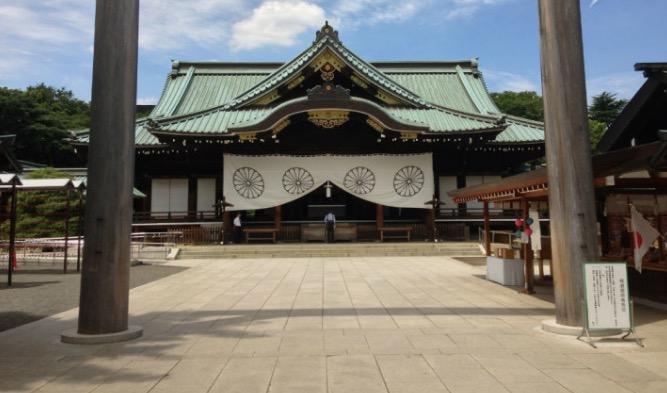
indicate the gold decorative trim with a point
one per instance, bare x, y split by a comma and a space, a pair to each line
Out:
281, 126
387, 98
327, 57
295, 82
269, 98
327, 72
409, 135
329, 119
375, 125
248, 136
359, 81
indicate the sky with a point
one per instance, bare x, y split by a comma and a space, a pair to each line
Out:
51, 41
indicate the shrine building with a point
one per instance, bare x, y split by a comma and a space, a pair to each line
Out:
376, 143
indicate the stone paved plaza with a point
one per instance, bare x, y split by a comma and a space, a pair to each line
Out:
365, 325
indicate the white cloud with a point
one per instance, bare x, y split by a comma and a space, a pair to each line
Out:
151, 100
467, 8
34, 33
507, 81
624, 85
166, 25
276, 23
360, 12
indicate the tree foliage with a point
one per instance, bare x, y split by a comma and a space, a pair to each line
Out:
43, 213
602, 112
526, 104
605, 108
41, 117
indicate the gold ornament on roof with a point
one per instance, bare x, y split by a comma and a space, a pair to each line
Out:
329, 119
327, 72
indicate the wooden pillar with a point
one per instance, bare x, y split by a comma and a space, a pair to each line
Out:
429, 217
79, 230
226, 225
67, 214
529, 263
12, 236
277, 217
379, 216
108, 218
487, 229
379, 219
571, 193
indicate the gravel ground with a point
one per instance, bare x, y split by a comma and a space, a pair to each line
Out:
40, 291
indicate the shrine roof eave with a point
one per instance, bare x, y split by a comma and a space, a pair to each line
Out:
535, 182
225, 122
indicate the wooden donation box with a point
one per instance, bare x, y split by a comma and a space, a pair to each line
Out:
505, 271
345, 231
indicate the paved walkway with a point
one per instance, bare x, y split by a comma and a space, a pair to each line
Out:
42, 290
366, 325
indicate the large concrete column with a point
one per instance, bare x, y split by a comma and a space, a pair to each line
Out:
571, 193
108, 217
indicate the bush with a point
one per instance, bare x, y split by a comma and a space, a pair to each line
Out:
42, 213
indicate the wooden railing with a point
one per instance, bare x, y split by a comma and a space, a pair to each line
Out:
176, 216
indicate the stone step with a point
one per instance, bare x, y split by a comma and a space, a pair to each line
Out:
329, 250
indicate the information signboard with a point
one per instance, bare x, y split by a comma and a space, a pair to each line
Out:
607, 300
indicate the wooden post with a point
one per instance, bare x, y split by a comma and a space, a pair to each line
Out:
67, 196
79, 232
277, 217
529, 267
487, 229
226, 224
108, 217
12, 236
379, 216
571, 193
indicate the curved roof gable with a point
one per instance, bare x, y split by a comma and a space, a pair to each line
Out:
326, 45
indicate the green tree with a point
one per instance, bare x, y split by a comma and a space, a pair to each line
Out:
605, 108
41, 117
526, 104
596, 130
42, 213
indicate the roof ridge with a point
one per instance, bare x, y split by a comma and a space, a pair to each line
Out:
183, 89
520, 119
327, 38
466, 88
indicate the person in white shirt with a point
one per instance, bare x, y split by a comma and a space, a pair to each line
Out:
238, 231
330, 225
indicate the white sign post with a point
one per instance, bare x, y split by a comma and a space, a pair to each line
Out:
607, 304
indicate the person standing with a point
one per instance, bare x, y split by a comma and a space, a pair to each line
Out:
238, 231
330, 226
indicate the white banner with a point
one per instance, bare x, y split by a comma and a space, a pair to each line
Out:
260, 182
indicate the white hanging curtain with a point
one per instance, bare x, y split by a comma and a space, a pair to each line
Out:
260, 182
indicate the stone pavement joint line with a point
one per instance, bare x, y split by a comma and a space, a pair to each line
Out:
363, 324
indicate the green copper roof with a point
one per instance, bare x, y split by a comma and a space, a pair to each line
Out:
291, 69
212, 97
143, 138
521, 131
220, 120
204, 91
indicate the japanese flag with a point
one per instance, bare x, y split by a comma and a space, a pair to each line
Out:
643, 235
